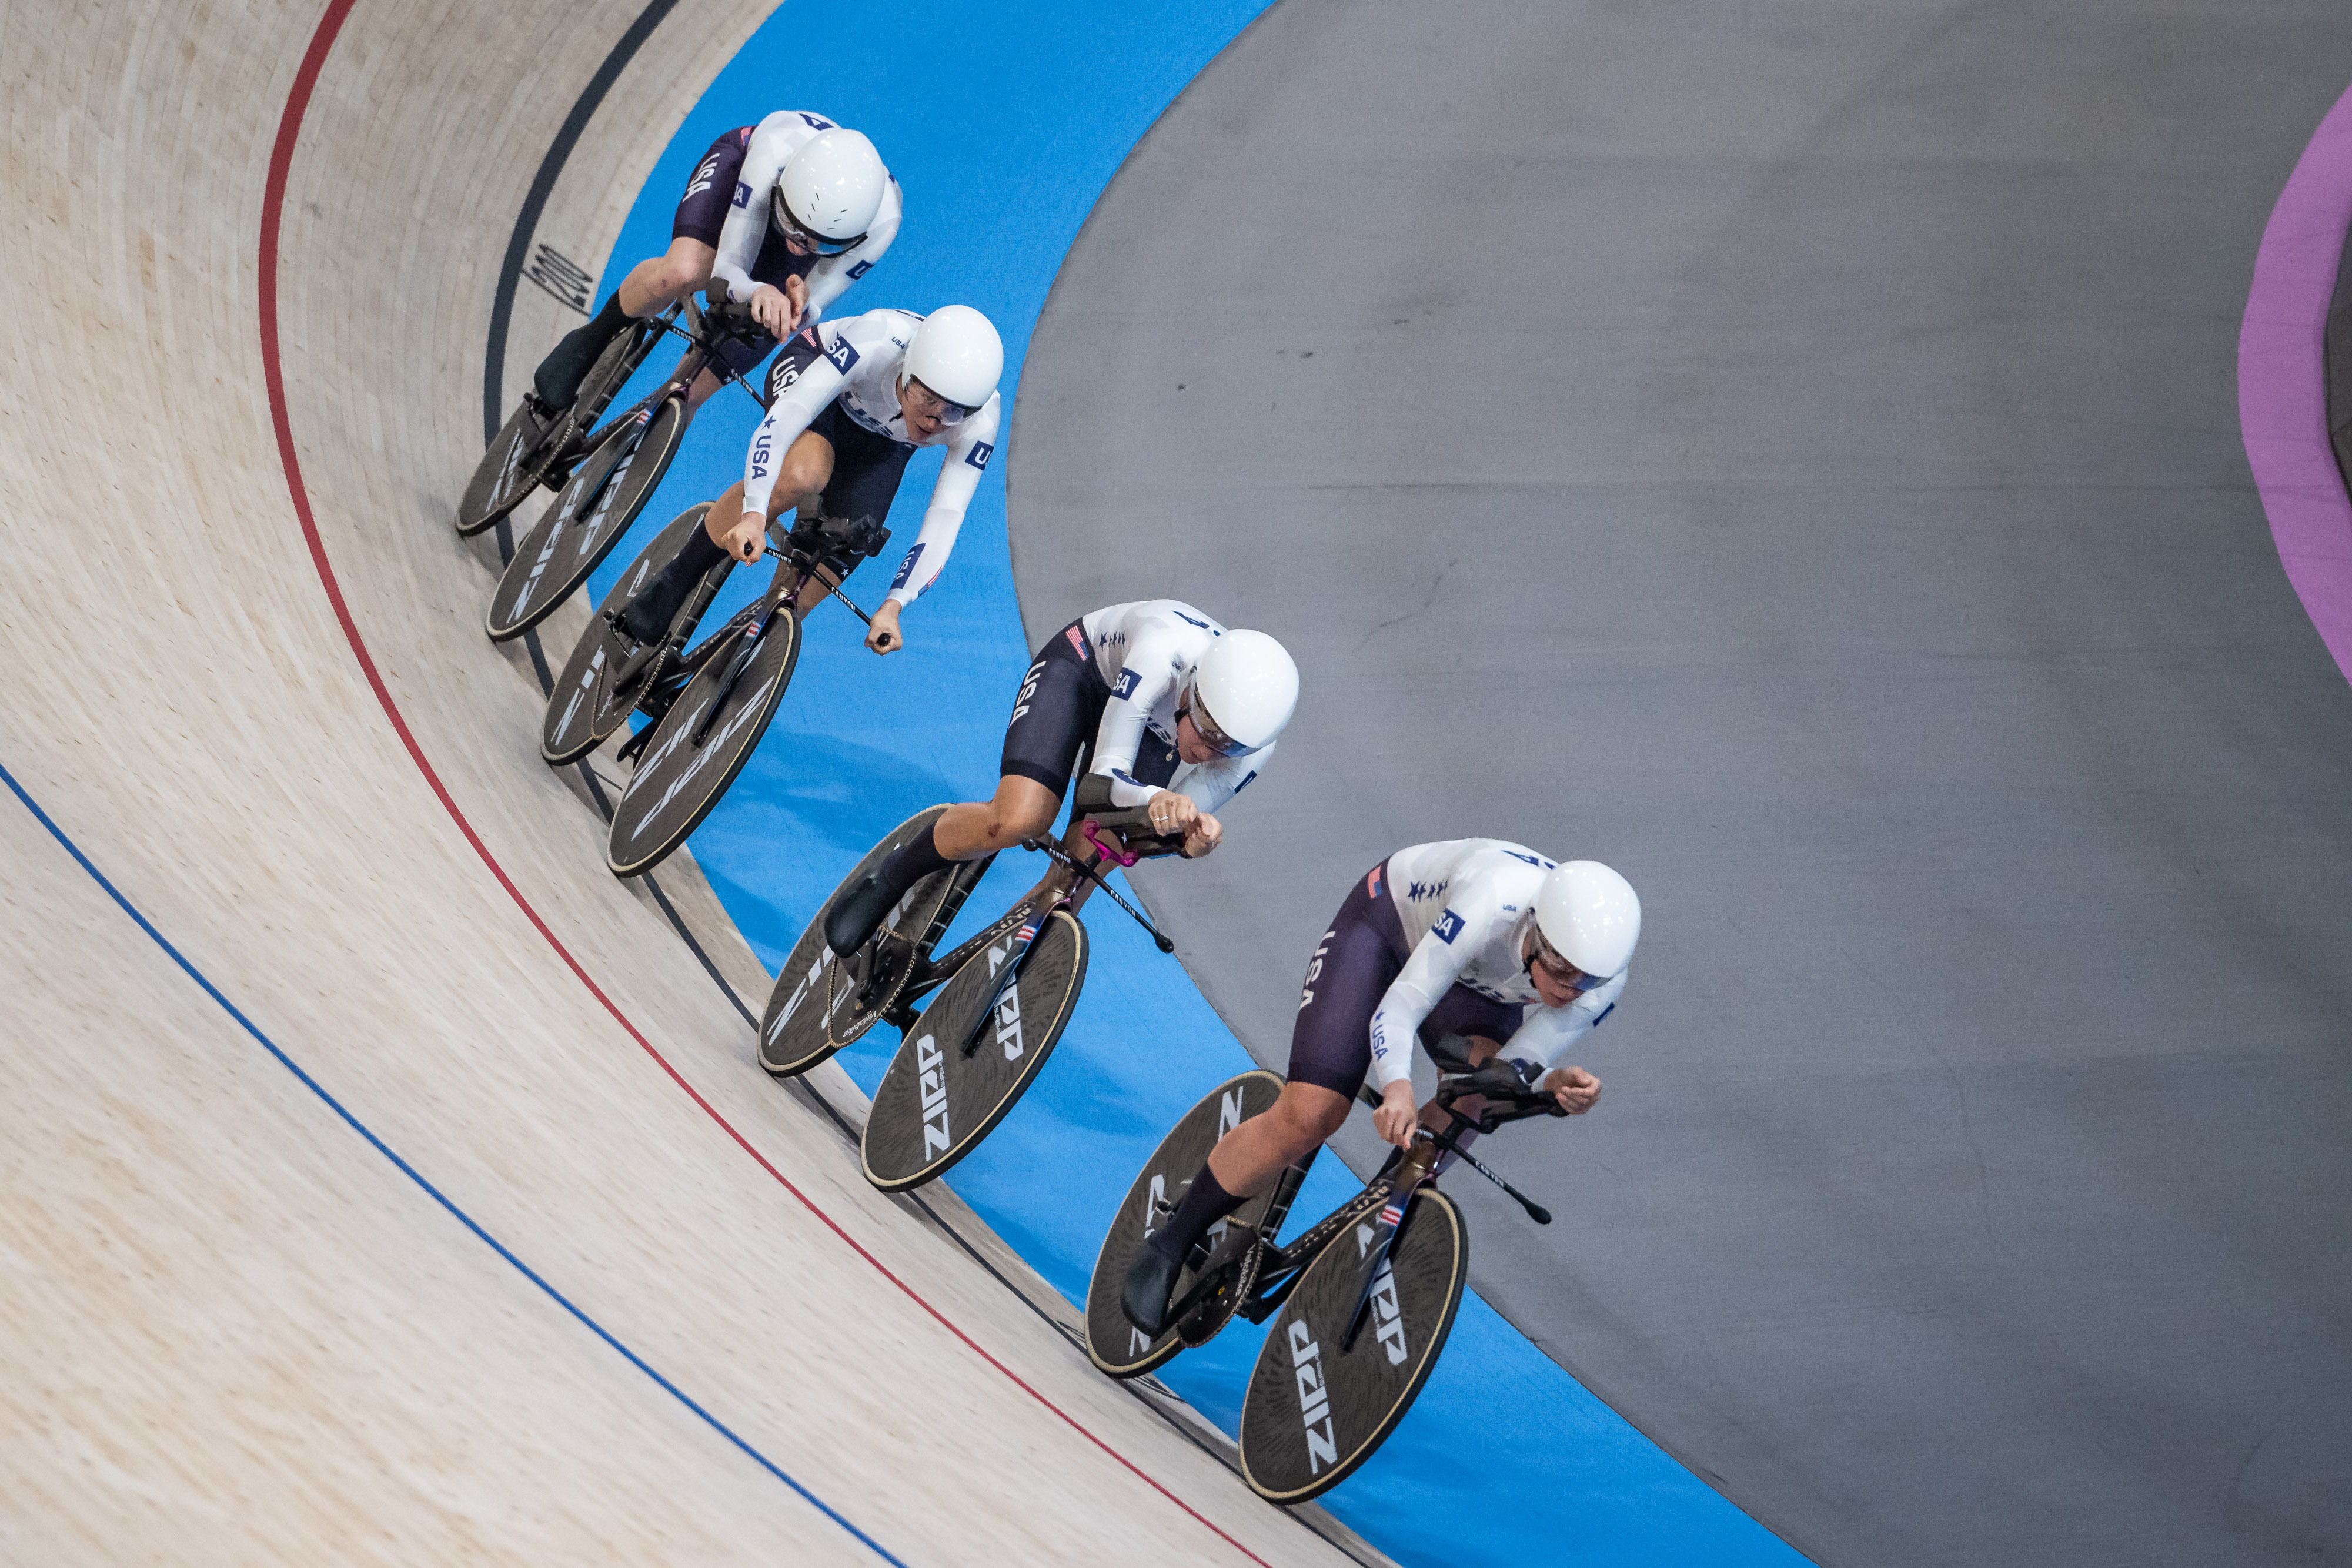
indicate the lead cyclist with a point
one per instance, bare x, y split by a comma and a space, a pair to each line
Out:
1470, 939
788, 213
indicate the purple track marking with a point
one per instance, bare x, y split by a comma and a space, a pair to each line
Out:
2282, 390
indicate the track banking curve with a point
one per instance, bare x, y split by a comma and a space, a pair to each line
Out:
1065, 98
1793, 459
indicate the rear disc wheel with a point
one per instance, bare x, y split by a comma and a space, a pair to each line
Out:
581, 712
1114, 1344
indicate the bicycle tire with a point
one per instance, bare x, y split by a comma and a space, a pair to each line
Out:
678, 782
936, 1101
513, 465
1313, 1413
579, 718
794, 1037
1115, 1345
612, 484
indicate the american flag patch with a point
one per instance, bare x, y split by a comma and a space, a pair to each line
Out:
1393, 1216
1025, 933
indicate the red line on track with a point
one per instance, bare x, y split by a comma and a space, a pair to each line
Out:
281, 160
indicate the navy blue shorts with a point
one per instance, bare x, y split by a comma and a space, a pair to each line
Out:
1364, 951
1058, 713
717, 185
866, 466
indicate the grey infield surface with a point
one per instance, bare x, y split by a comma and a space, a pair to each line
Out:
1789, 450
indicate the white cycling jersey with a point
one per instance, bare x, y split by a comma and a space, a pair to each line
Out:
1466, 905
1147, 651
776, 139
860, 368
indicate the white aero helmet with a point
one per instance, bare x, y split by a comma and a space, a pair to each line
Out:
1591, 916
958, 355
829, 190
1243, 693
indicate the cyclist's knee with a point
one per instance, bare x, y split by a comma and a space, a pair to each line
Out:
1301, 1122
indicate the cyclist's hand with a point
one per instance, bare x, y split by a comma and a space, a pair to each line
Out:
796, 295
1576, 1090
1205, 834
774, 310
1398, 1115
747, 540
883, 636
1173, 813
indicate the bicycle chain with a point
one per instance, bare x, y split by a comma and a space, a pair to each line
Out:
552, 451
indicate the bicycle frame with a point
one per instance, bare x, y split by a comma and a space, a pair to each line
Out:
1387, 1199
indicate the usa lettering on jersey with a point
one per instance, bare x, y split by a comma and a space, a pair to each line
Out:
979, 456
1128, 680
742, 195
907, 570
843, 353
1448, 926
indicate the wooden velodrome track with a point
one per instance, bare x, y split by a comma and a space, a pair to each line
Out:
255, 248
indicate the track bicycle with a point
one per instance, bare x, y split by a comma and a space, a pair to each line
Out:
1362, 1299
1002, 999
615, 475
710, 704
536, 446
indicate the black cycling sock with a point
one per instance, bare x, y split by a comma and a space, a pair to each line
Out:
648, 615
910, 862
1205, 1202
560, 375
851, 923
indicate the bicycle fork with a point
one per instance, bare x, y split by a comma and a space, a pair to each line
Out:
1386, 1227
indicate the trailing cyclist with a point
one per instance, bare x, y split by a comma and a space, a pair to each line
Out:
1469, 939
788, 213
849, 402
1180, 715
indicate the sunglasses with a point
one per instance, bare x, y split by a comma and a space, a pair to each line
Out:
800, 233
1561, 971
947, 413
1215, 739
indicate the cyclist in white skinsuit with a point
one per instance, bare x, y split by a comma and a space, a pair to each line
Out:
746, 233
1467, 907
848, 404
1181, 714
735, 224
1478, 946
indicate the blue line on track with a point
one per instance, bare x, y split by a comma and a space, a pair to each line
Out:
410, 1171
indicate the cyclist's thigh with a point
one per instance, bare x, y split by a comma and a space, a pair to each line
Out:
806, 471
1331, 1041
712, 189
1057, 711
1462, 1011
866, 468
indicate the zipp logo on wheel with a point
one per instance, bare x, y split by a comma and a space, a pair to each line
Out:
1314, 1399
931, 1063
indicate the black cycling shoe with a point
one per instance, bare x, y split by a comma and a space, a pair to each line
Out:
850, 924
1150, 1284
